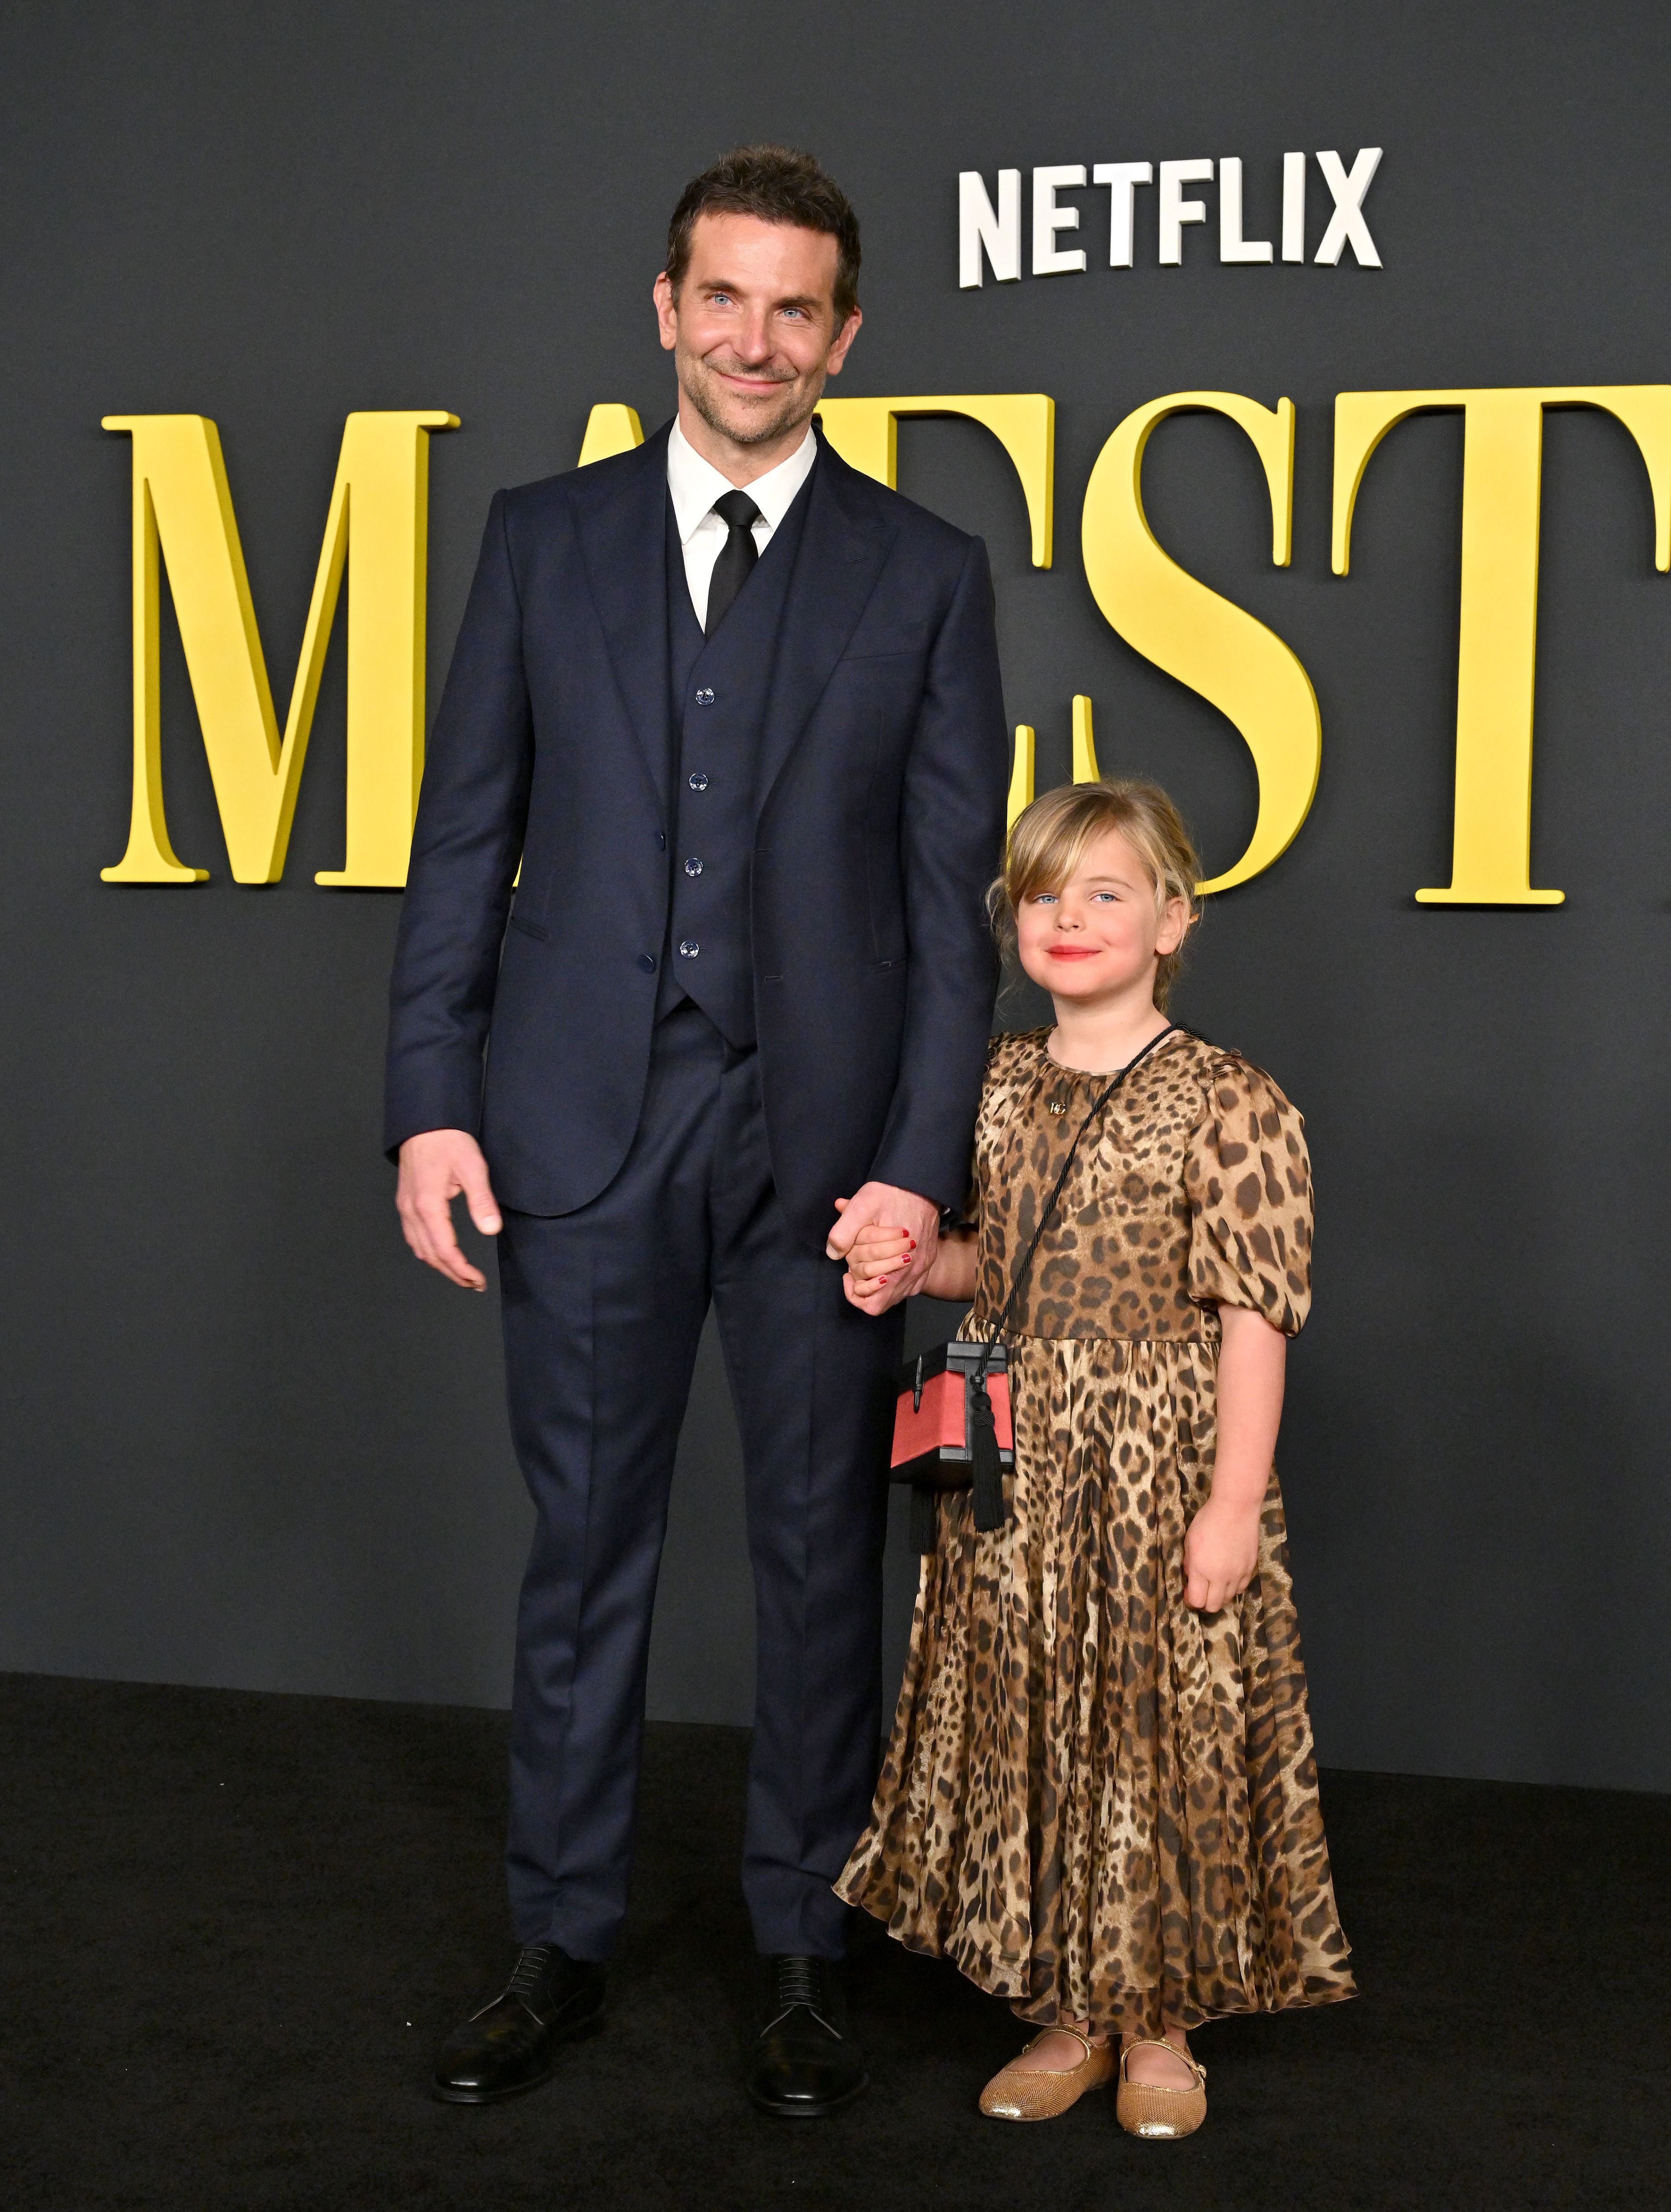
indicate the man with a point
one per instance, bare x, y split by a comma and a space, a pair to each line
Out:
735, 710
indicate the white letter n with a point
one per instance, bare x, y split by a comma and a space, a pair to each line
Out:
978, 227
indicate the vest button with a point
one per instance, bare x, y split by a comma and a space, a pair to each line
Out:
698, 781
688, 948
647, 962
705, 697
661, 839
692, 867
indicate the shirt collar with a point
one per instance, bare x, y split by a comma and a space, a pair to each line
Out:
695, 484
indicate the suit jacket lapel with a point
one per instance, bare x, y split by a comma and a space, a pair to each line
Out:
842, 550
623, 540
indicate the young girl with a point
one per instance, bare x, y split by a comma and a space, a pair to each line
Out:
1100, 1799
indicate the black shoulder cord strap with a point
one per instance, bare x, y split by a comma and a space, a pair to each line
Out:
986, 1467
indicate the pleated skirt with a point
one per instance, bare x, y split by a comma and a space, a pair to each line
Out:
1097, 1803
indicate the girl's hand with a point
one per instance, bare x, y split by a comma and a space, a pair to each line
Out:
876, 1256
1221, 1551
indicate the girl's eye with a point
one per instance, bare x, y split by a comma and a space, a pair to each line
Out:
1044, 898
1109, 896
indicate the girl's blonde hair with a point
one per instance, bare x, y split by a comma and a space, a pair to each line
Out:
1049, 839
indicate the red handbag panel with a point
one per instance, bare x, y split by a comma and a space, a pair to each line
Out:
937, 1423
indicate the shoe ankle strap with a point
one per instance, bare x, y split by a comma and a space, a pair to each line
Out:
1158, 2043
1084, 2041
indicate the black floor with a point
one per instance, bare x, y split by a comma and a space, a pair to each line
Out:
233, 1927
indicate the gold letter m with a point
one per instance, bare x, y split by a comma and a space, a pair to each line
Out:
180, 498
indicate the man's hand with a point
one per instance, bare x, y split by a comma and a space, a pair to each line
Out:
436, 1168
879, 1205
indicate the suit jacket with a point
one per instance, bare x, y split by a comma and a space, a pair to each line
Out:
879, 823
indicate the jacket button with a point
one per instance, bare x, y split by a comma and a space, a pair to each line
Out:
661, 839
688, 948
647, 962
693, 867
705, 697
698, 781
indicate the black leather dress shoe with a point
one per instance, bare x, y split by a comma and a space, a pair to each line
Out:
507, 2046
805, 2063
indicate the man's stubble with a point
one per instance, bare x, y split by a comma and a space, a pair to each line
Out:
702, 388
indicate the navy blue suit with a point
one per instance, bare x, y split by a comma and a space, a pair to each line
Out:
663, 1133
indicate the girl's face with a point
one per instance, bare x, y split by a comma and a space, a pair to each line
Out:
1100, 936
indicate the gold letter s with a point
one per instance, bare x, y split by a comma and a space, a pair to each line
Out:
180, 496
1502, 482
1215, 647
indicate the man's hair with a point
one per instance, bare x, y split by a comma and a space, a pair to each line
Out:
776, 185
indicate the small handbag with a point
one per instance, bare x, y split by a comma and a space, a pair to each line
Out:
952, 1428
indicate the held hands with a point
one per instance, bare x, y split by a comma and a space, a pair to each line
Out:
436, 1168
1221, 1551
877, 1257
903, 1236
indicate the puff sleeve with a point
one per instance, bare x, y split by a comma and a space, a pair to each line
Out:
1248, 1179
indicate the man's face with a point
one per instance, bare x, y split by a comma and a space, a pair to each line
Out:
754, 332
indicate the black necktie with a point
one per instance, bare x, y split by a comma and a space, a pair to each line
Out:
737, 556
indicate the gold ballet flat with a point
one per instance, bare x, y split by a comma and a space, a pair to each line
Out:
1150, 2108
1023, 2093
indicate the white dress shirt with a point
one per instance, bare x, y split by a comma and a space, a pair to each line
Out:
695, 485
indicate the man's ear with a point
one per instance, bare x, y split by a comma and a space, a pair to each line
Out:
667, 311
844, 336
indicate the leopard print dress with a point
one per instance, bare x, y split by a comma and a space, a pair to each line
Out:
1096, 1802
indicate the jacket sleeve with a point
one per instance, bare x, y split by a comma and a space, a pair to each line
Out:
951, 838
466, 843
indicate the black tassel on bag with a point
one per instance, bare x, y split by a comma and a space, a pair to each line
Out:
985, 1468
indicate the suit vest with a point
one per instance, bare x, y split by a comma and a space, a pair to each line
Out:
720, 686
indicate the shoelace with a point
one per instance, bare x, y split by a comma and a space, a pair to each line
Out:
530, 1971
526, 1978
802, 1984
800, 1981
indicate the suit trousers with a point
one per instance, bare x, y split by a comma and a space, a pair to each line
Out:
603, 1309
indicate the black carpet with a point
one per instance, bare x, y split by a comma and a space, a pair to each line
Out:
235, 1928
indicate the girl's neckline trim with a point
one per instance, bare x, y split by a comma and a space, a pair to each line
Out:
1161, 1042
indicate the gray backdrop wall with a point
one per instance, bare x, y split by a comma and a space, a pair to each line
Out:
246, 1440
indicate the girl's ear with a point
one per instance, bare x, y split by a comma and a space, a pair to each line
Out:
1174, 926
